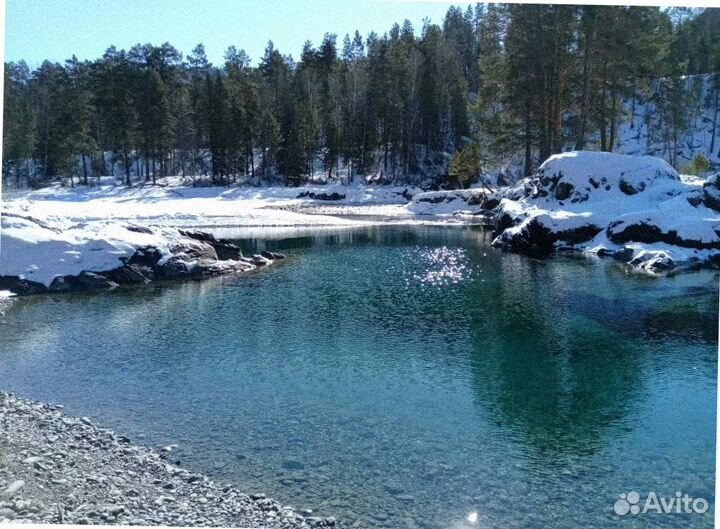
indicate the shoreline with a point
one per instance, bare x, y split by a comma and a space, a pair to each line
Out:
56, 468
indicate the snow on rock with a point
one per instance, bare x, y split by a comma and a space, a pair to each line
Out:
609, 204
36, 256
454, 202
37, 252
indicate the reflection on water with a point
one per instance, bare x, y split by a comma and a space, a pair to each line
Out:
401, 377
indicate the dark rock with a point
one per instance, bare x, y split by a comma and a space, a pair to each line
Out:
627, 188
273, 256
21, 287
131, 274
173, 268
259, 260
61, 284
623, 254
563, 190
334, 196
194, 250
622, 232
534, 240
578, 235
138, 229
93, 281
146, 256
227, 251
503, 222
711, 192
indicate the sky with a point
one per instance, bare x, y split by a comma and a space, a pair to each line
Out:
56, 29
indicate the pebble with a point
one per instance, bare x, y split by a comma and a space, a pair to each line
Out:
13, 488
82, 474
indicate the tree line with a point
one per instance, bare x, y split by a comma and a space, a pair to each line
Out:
489, 84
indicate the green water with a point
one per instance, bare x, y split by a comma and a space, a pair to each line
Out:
401, 377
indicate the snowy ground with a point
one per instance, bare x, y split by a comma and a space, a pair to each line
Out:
633, 207
64, 231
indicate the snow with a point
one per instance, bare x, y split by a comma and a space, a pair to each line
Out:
188, 206
38, 252
610, 192
62, 231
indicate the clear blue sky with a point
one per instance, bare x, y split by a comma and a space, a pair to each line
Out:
56, 29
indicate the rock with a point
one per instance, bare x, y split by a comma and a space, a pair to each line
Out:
147, 256
627, 188
93, 281
33, 459
292, 464
563, 190
711, 192
21, 286
259, 260
624, 231
12, 489
272, 255
394, 488
334, 196
138, 229
132, 274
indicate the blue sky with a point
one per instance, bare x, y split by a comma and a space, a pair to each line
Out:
55, 29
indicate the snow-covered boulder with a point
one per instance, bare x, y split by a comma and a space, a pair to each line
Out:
711, 192
601, 202
457, 201
36, 257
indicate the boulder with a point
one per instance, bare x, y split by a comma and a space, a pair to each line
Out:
711, 192
273, 256
21, 286
148, 256
93, 281
622, 232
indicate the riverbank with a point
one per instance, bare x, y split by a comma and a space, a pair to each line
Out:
55, 468
635, 209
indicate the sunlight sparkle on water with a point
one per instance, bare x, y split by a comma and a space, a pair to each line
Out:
443, 266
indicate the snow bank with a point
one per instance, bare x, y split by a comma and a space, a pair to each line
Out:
637, 207
39, 252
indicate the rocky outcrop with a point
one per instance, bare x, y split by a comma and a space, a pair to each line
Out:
194, 255
634, 208
711, 192
623, 232
334, 196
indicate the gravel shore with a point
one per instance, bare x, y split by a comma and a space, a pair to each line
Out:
55, 468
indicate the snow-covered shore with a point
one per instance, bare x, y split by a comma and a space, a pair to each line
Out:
634, 208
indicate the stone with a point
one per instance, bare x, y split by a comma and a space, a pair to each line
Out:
12, 488
93, 281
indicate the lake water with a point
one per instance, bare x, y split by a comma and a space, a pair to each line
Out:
401, 377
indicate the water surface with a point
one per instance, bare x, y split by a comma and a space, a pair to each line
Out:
401, 377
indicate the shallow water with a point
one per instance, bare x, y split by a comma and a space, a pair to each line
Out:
401, 377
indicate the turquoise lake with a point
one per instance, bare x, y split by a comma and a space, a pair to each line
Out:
401, 377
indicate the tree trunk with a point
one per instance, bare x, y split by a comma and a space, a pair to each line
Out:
127, 166
85, 174
714, 127
528, 140
613, 119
